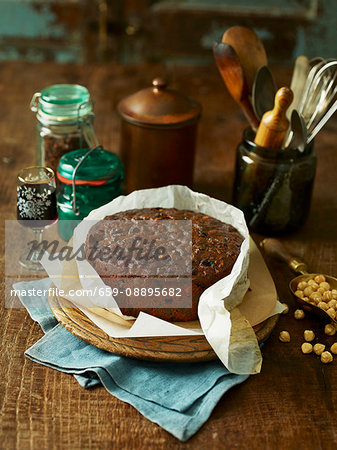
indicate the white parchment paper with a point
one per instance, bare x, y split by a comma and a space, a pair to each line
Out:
226, 329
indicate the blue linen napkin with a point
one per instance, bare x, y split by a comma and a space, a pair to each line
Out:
178, 397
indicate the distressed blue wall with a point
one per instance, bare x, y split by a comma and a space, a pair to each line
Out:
24, 21
19, 18
321, 38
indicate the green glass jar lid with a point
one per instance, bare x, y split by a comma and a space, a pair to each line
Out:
98, 168
61, 102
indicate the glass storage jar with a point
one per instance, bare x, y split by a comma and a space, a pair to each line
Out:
87, 179
65, 122
273, 187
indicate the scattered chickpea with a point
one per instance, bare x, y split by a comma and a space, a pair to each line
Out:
317, 291
327, 295
332, 313
330, 329
299, 294
309, 335
306, 348
308, 291
313, 284
319, 279
332, 303
319, 349
325, 285
286, 308
333, 348
299, 314
284, 336
326, 357
302, 285
315, 297
323, 305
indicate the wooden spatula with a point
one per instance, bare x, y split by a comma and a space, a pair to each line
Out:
299, 77
249, 49
233, 75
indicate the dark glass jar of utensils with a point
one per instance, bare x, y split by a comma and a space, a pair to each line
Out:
273, 187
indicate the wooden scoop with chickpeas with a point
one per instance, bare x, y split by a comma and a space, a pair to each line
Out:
315, 292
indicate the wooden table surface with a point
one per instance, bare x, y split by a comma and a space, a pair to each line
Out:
291, 404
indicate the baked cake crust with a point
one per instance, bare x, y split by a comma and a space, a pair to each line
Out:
215, 248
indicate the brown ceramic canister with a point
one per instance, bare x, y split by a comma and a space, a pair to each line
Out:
158, 137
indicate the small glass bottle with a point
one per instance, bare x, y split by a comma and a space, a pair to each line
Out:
273, 187
65, 122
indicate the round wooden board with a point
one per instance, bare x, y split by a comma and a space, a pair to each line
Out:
160, 348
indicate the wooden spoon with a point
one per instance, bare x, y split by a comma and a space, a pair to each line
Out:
233, 75
249, 49
276, 249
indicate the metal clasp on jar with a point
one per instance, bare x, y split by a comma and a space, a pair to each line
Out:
85, 124
34, 103
74, 207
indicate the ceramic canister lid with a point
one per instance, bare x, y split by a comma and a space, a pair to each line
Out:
159, 106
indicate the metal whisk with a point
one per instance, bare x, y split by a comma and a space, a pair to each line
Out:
319, 102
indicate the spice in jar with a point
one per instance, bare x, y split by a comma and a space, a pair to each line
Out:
54, 147
65, 122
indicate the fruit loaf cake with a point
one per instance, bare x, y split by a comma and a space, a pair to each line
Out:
215, 247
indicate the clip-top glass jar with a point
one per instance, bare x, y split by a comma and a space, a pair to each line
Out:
65, 122
87, 179
273, 187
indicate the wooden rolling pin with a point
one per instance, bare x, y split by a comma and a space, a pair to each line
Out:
274, 124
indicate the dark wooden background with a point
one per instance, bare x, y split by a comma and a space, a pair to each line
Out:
292, 404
